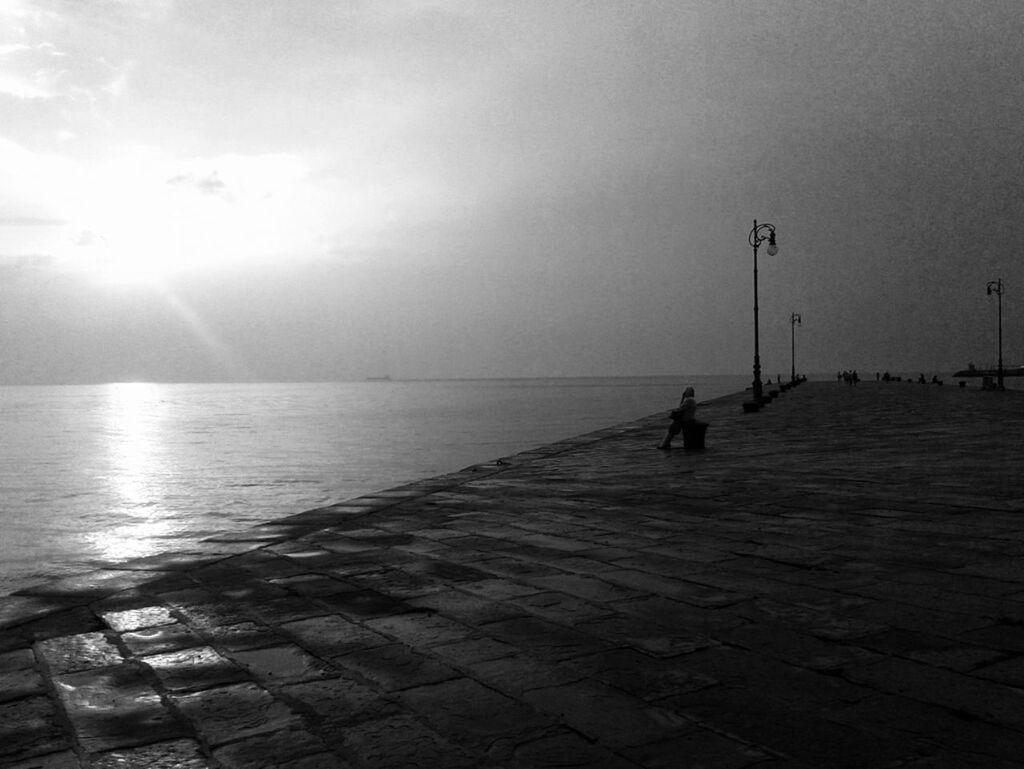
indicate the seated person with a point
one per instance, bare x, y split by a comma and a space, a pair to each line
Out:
685, 412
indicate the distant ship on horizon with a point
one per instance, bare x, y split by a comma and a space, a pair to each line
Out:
385, 378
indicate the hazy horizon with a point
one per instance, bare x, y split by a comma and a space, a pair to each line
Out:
866, 374
436, 189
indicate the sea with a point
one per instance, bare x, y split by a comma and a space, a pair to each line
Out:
91, 474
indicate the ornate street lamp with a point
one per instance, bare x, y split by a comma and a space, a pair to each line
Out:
794, 321
758, 235
996, 287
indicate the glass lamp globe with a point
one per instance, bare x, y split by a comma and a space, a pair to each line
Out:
772, 249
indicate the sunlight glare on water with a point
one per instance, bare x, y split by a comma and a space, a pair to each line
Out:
133, 436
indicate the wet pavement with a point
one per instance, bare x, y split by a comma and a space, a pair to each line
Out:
836, 581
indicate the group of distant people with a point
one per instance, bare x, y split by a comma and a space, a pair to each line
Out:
852, 378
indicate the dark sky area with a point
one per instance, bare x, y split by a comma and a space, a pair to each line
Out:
203, 190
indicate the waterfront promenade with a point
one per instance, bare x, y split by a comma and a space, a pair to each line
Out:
837, 581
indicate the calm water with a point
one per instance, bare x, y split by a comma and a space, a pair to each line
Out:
123, 470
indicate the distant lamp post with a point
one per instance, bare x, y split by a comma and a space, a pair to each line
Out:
794, 321
759, 235
996, 287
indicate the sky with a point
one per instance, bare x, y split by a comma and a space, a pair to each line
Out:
205, 190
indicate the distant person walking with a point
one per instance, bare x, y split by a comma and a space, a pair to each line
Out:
685, 413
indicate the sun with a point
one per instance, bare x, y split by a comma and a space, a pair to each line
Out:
145, 219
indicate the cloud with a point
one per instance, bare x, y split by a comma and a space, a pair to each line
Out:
210, 184
30, 221
51, 57
28, 70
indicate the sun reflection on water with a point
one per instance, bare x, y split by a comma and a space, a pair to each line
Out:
133, 432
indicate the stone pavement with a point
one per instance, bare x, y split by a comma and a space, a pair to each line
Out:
836, 581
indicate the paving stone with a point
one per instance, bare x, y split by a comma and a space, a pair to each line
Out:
446, 571
1006, 570
30, 727
315, 585
499, 589
606, 715
466, 608
88, 587
421, 629
286, 749
685, 618
18, 659
395, 667
136, 619
1009, 672
797, 733
559, 606
635, 673
229, 713
67, 654
277, 665
137, 597
255, 535
185, 560
517, 569
200, 667
203, 609
339, 701
1003, 636
936, 729
164, 638
346, 545
790, 685
949, 760
21, 683
243, 635
543, 638
701, 748
568, 751
359, 604
931, 650
64, 760
249, 590
473, 650
66, 621
995, 704
277, 611
332, 635
916, 618
175, 754
556, 543
475, 714
817, 622
799, 648
401, 741
621, 630
670, 587
114, 707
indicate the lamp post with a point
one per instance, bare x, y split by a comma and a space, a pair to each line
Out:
756, 238
996, 287
794, 321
